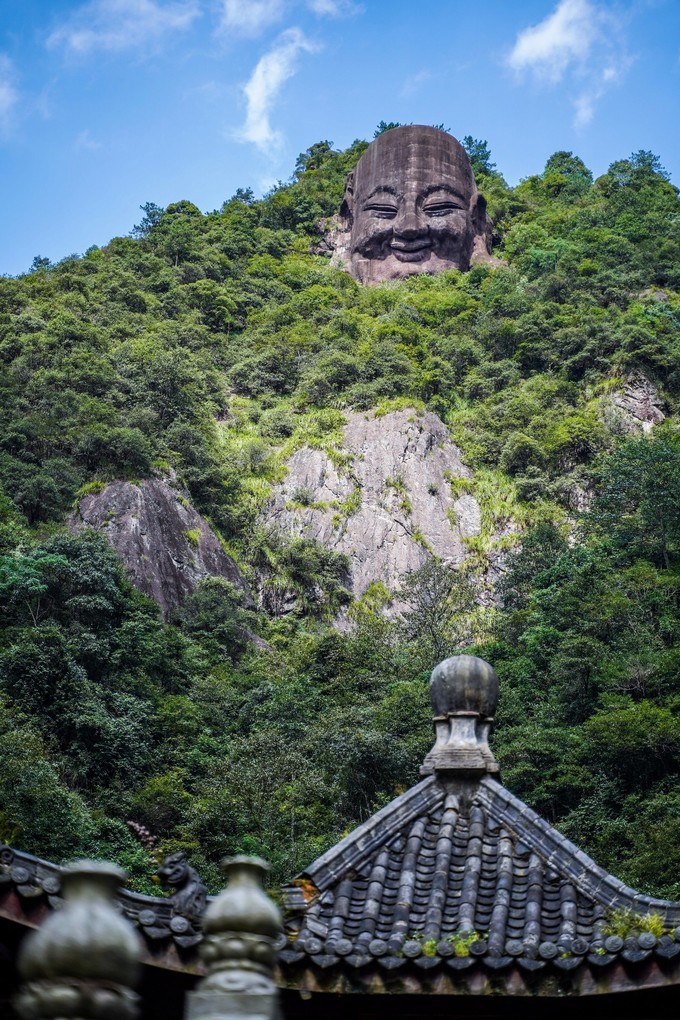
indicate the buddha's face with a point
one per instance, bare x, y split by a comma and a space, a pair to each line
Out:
414, 206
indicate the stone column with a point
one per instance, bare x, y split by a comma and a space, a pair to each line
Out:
83, 962
241, 926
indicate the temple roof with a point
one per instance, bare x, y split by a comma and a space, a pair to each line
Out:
450, 873
457, 873
455, 887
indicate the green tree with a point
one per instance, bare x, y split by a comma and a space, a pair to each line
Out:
540, 547
637, 498
215, 617
152, 217
385, 125
437, 600
480, 155
566, 175
40, 262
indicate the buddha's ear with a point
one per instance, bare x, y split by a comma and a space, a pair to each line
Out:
482, 231
478, 213
347, 207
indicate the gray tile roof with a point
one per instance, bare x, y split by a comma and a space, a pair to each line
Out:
454, 875
458, 871
455, 872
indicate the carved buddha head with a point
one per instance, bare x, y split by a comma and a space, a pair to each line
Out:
413, 207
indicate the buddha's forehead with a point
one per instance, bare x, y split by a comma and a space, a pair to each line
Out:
413, 157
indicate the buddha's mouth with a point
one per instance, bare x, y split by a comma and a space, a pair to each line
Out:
411, 251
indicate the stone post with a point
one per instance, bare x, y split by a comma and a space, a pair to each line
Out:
83, 962
239, 949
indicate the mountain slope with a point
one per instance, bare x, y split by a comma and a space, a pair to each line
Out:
216, 346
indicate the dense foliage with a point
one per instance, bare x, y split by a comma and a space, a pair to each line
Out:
216, 345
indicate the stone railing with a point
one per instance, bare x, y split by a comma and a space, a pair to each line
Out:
83, 963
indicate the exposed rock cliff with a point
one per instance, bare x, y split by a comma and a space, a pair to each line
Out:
638, 406
385, 501
166, 547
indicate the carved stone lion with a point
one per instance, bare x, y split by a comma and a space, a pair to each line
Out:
189, 897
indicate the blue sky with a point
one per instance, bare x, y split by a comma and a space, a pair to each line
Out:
107, 104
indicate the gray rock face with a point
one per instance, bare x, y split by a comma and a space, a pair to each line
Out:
639, 405
166, 547
389, 506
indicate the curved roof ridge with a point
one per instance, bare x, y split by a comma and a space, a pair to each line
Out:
382, 827
564, 856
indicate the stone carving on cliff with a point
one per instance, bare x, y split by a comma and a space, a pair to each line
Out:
411, 206
166, 546
385, 501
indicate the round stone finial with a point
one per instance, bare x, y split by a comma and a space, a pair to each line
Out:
464, 684
84, 960
241, 927
243, 906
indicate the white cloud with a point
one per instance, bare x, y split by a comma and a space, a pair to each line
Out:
580, 44
122, 24
87, 142
264, 85
250, 17
415, 81
599, 82
332, 8
584, 106
565, 36
208, 91
9, 96
267, 182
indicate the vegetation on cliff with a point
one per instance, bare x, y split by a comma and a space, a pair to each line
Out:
215, 345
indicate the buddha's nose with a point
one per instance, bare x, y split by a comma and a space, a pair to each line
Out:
409, 224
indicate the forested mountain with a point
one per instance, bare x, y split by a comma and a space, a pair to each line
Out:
214, 346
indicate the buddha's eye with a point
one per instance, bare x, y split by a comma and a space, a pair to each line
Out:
381, 211
441, 208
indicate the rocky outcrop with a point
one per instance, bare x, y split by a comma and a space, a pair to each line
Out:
166, 547
638, 407
384, 499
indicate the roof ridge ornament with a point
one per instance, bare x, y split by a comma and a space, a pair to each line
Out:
464, 694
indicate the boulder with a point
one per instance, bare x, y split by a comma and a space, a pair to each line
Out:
165, 545
385, 500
